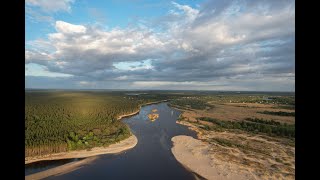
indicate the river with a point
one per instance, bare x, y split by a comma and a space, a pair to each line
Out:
151, 158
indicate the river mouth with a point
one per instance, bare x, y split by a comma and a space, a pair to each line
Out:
151, 158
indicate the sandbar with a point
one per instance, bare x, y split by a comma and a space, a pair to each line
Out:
113, 148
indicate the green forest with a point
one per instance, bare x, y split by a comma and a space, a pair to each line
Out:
254, 125
59, 121
193, 103
64, 121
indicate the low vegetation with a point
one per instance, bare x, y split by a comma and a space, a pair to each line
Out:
237, 133
254, 125
278, 113
193, 103
262, 121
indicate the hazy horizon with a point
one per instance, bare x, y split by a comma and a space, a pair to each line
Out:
83, 89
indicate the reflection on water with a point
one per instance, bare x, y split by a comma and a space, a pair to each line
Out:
151, 158
44, 165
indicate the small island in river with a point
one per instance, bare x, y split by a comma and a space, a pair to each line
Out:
153, 116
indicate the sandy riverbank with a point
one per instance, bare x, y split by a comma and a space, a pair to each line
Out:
136, 112
194, 154
128, 115
89, 155
60, 169
247, 156
113, 148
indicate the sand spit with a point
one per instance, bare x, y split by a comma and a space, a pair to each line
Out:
194, 154
113, 148
128, 115
60, 169
136, 112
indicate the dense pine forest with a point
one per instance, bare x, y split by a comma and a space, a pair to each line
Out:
63, 121
190, 102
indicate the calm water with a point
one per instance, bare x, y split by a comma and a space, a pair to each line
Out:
151, 158
44, 165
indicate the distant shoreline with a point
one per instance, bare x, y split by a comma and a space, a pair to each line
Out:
136, 112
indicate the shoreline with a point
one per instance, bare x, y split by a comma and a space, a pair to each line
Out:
216, 161
194, 155
59, 170
121, 146
126, 144
88, 155
136, 112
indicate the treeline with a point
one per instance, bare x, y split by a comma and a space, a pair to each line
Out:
278, 113
62, 121
192, 103
253, 125
97, 137
251, 98
262, 121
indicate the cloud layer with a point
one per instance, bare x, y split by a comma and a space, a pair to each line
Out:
222, 45
51, 6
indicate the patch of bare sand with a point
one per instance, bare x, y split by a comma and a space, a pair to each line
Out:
128, 115
60, 169
194, 154
113, 148
136, 112
260, 156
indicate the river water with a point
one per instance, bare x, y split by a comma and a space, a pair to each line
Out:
151, 158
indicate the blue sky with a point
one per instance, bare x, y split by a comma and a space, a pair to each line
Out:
144, 44
109, 14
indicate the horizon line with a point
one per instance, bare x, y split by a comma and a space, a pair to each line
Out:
91, 89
